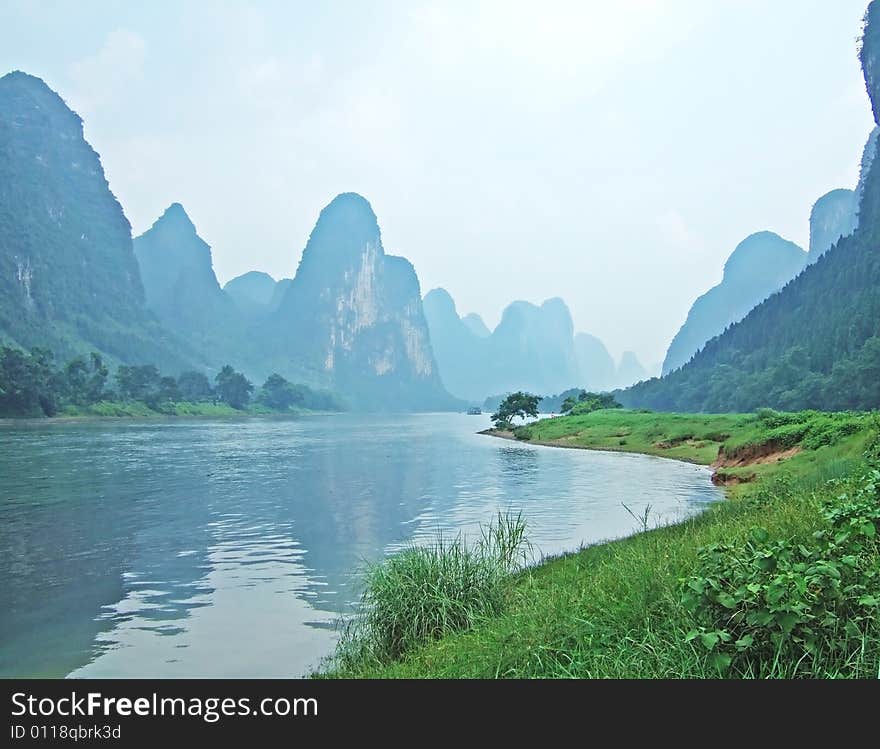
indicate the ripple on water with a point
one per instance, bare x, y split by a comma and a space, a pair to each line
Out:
196, 548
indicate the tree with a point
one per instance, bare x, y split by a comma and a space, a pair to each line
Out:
516, 404
278, 394
233, 387
76, 375
194, 387
29, 386
98, 379
47, 380
139, 383
587, 402
84, 379
167, 391
572, 400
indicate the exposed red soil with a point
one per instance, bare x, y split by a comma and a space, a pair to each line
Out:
753, 455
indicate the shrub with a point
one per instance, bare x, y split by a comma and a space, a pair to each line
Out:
787, 435
767, 602
425, 592
872, 448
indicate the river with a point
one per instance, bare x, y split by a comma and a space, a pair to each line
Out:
191, 548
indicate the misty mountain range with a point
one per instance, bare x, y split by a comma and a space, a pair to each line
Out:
351, 317
533, 348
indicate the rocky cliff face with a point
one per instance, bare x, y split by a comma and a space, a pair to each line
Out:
869, 54
68, 277
353, 315
760, 265
833, 216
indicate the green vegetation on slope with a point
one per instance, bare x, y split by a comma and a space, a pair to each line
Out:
69, 280
760, 265
815, 344
782, 580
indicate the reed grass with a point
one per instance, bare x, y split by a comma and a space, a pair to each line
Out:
424, 593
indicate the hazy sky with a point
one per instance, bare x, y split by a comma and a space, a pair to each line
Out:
611, 153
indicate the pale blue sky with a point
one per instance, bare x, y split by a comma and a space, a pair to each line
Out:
611, 153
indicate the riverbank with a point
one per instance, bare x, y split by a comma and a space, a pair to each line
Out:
136, 410
751, 587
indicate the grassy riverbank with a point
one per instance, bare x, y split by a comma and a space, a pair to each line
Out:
139, 410
781, 580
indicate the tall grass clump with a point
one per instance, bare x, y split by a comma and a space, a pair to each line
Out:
423, 593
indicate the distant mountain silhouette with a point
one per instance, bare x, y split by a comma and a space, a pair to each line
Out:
252, 292
760, 265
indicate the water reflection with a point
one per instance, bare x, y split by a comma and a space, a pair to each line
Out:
228, 549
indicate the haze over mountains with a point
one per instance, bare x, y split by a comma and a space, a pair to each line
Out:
181, 289
74, 281
255, 293
761, 264
815, 343
784, 327
533, 348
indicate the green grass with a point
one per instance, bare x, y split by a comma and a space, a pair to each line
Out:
691, 437
426, 592
621, 609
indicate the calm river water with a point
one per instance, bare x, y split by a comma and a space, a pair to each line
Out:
230, 548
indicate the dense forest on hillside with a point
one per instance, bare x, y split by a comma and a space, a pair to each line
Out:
816, 343
68, 277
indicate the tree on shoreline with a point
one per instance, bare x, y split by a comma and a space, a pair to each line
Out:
31, 385
279, 394
195, 387
516, 404
586, 402
233, 388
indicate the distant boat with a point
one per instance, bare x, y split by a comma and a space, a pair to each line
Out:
474, 411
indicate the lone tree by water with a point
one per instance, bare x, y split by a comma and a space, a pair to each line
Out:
516, 404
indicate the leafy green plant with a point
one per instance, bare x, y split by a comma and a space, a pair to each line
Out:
767, 602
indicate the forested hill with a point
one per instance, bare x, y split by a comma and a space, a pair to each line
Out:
816, 343
68, 276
